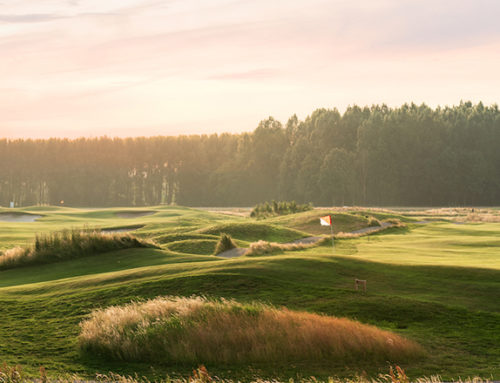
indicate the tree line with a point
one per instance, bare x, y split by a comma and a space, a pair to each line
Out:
412, 155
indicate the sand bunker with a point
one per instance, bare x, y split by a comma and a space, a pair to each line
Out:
233, 253
134, 214
239, 251
19, 217
371, 228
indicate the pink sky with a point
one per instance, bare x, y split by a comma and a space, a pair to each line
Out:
138, 68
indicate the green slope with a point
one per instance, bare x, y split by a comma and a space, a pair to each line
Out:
437, 284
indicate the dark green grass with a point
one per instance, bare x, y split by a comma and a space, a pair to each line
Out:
44, 318
428, 283
175, 237
103, 263
189, 246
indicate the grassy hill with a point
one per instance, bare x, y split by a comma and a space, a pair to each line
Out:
436, 284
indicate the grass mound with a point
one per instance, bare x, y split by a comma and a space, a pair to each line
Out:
190, 246
372, 221
57, 246
225, 243
255, 232
134, 213
197, 329
175, 237
309, 221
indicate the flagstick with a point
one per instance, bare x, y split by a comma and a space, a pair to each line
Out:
331, 227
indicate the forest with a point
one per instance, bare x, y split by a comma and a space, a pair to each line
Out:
412, 155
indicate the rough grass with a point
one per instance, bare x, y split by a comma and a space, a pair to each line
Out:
372, 221
197, 329
225, 243
266, 248
15, 374
57, 246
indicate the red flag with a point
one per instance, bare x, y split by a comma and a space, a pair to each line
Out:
326, 220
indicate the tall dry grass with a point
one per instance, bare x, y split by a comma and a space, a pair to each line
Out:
225, 243
489, 217
460, 214
266, 248
198, 329
53, 247
14, 374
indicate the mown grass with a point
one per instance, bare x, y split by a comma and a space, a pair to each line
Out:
436, 284
177, 237
309, 221
462, 340
254, 231
166, 221
189, 246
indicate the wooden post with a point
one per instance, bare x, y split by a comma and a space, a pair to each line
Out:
358, 282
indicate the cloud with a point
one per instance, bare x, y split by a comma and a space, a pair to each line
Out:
139, 63
424, 24
29, 18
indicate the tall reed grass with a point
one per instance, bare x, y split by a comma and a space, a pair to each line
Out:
225, 243
67, 244
198, 329
15, 374
267, 248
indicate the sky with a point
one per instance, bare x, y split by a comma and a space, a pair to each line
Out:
72, 68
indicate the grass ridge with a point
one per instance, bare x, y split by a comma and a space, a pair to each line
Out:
69, 244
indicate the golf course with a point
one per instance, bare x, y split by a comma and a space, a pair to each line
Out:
432, 292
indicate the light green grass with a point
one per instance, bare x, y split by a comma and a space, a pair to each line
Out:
433, 244
436, 284
342, 221
164, 221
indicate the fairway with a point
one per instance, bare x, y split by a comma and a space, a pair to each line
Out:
435, 283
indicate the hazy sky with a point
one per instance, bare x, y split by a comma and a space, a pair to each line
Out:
131, 68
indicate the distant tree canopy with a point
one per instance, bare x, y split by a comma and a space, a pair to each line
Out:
411, 155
